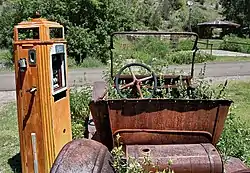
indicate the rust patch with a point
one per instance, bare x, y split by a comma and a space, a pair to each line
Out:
189, 158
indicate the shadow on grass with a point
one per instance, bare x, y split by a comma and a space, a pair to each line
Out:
15, 163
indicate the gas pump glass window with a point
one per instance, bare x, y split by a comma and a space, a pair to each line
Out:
56, 33
58, 68
28, 33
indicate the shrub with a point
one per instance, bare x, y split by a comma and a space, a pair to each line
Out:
233, 43
79, 107
147, 49
235, 139
6, 60
85, 63
87, 24
185, 57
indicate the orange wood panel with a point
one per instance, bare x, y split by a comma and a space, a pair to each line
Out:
61, 123
39, 113
29, 110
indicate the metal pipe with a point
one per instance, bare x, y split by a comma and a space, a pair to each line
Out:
33, 139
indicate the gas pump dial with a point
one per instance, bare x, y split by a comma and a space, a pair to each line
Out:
58, 68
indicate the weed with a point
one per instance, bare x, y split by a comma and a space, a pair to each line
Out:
235, 140
132, 165
200, 89
79, 107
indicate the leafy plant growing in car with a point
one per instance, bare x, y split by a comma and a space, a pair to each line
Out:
131, 165
201, 88
79, 107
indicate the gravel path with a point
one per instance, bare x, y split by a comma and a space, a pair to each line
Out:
226, 53
7, 96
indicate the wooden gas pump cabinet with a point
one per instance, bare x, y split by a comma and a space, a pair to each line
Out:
42, 93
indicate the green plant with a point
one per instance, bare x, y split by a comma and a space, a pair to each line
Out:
131, 165
85, 63
234, 43
79, 106
6, 60
236, 10
151, 50
185, 57
235, 139
203, 89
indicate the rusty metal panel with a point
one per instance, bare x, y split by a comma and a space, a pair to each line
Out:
99, 111
186, 158
159, 121
83, 155
235, 165
189, 121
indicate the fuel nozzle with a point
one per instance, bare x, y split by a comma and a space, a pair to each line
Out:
22, 64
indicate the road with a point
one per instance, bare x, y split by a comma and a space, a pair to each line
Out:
214, 70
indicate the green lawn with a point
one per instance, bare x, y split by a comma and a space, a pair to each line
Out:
9, 139
216, 43
239, 92
231, 58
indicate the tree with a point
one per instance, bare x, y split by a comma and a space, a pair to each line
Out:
88, 23
237, 11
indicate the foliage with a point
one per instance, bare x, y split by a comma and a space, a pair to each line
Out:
86, 63
80, 43
179, 19
6, 60
89, 23
202, 89
132, 165
184, 57
234, 43
6, 24
79, 107
237, 10
150, 49
235, 139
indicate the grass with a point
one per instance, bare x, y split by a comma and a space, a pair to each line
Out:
9, 139
230, 58
216, 43
239, 92
234, 139
86, 63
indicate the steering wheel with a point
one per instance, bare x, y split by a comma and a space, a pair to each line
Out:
136, 84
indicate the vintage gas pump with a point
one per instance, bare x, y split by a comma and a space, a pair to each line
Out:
42, 93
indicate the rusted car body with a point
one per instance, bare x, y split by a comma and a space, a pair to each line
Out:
182, 130
185, 131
